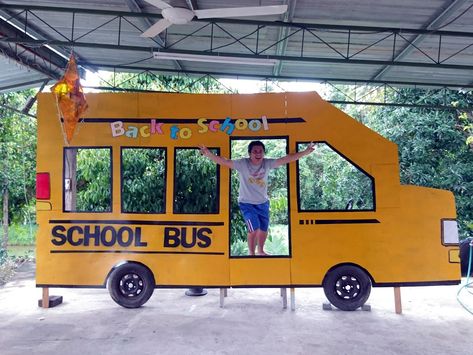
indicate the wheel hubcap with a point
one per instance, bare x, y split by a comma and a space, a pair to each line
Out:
131, 285
347, 287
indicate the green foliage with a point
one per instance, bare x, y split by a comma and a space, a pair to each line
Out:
22, 234
278, 241
196, 185
329, 182
278, 208
238, 230
178, 83
466, 119
94, 180
143, 180
431, 142
17, 156
3, 255
17, 167
239, 247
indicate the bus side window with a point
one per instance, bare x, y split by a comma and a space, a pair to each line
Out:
143, 180
328, 181
196, 182
87, 180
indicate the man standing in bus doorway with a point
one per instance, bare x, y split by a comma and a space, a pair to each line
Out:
253, 192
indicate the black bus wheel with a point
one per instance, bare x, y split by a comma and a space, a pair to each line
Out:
347, 287
131, 285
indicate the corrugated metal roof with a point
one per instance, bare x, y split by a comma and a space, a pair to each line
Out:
339, 40
15, 76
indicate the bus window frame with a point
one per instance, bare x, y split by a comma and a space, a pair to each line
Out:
288, 188
165, 179
217, 187
298, 191
110, 148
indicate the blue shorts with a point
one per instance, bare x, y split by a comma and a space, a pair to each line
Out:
255, 216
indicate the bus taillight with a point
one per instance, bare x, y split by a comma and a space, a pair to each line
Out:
43, 186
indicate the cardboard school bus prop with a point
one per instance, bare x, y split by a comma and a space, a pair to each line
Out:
103, 222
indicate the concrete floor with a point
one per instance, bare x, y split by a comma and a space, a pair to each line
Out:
252, 322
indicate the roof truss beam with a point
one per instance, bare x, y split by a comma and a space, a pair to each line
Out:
301, 58
299, 35
437, 21
39, 58
283, 34
275, 50
23, 8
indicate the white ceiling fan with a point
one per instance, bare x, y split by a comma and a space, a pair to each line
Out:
181, 16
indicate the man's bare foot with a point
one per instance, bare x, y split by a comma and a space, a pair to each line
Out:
262, 253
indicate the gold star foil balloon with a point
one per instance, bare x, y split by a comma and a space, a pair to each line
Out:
70, 98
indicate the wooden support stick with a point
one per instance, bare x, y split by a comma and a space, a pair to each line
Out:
397, 300
45, 297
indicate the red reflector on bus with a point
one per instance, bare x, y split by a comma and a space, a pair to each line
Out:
43, 186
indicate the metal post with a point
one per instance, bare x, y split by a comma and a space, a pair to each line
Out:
284, 297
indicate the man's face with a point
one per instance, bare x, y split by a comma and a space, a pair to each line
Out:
257, 154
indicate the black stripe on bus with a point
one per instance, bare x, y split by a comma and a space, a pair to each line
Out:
152, 223
337, 221
133, 252
188, 120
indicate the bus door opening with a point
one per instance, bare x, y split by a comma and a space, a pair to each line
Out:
278, 240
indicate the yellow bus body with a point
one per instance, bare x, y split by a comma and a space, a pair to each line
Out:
403, 247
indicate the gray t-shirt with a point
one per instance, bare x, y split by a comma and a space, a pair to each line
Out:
253, 180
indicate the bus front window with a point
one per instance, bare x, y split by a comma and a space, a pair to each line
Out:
328, 181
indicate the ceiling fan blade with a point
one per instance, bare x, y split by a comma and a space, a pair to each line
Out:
160, 4
241, 11
156, 29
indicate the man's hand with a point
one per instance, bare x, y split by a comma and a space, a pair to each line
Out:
294, 156
310, 148
204, 151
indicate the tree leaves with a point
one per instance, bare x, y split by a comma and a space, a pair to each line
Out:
94, 180
196, 185
18, 156
329, 182
432, 149
143, 180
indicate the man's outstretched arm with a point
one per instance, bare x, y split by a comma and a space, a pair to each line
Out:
294, 156
217, 159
